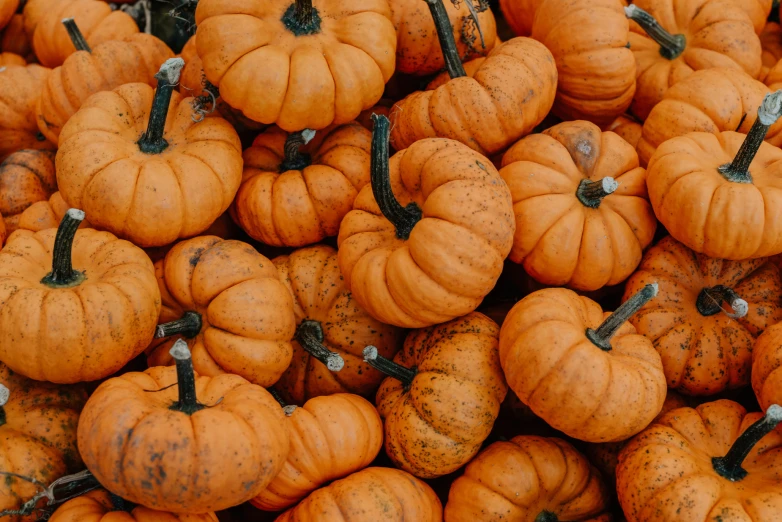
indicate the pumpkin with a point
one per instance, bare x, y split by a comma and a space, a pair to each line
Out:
19, 91
773, 78
45, 214
520, 14
136, 152
7, 10
97, 21
206, 443
708, 314
7, 59
2, 232
38, 429
370, 495
758, 11
26, 177
14, 39
296, 189
699, 182
713, 462
442, 395
627, 128
434, 245
673, 38
597, 380
528, 478
227, 300
331, 437
94, 311
766, 360
712, 100
100, 506
771, 45
417, 49
501, 100
329, 322
85, 72
33, 12
320, 62
582, 213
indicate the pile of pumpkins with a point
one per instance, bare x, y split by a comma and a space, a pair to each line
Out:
347, 261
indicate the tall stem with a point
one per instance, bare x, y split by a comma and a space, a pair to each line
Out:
309, 335
602, 336
591, 193
453, 62
188, 326
302, 18
671, 45
294, 158
79, 42
403, 218
729, 466
63, 275
709, 302
152, 141
388, 367
188, 402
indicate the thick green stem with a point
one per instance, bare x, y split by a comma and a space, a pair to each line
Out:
188, 326
671, 45
152, 141
79, 42
591, 193
453, 62
309, 335
729, 466
710, 300
301, 18
294, 158
602, 336
546, 516
186, 383
388, 367
63, 275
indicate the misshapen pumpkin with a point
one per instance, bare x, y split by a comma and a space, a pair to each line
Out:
26, 177
46, 214
19, 91
100, 506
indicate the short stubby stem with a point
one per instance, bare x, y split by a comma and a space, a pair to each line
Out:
671, 45
302, 18
152, 141
79, 42
453, 62
591, 193
294, 158
602, 336
729, 466
188, 326
546, 516
388, 367
709, 302
63, 274
309, 335
186, 382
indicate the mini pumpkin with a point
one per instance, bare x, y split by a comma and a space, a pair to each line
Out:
758, 11
14, 39
426, 240
26, 177
206, 443
45, 214
627, 128
101, 506
82, 319
766, 361
7, 59
7, 10
19, 91
520, 14
771, 44
134, 153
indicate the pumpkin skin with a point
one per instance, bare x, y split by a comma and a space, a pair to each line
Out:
7, 10
666, 473
19, 91
627, 128
45, 214
771, 44
766, 360
758, 11
26, 177
186, 187
319, 294
527, 478
7, 59
561, 238
331, 437
247, 319
373, 494
304, 86
96, 506
292, 203
520, 14
14, 39
2, 233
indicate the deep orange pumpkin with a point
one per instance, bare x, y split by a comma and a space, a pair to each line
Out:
45, 214
767, 360
14, 39
26, 177
7, 10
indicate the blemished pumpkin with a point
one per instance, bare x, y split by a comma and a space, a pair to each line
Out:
331, 437
14, 39
766, 361
140, 166
442, 394
709, 312
598, 380
499, 101
320, 62
296, 188
771, 44
719, 194
227, 300
26, 177
583, 217
528, 478
434, 245
45, 214
520, 14
11, 59
7, 10
206, 443
370, 495
136, 58
82, 303
713, 462
100, 506
673, 38
19, 91
329, 318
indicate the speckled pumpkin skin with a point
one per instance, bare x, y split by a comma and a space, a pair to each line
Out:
26, 177
96, 506
439, 423
665, 473
220, 456
19, 91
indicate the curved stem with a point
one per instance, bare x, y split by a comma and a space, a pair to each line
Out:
403, 218
671, 45
301, 18
389, 367
79, 42
729, 466
152, 141
188, 402
453, 62
709, 302
309, 335
188, 326
591, 193
63, 275
602, 336
294, 158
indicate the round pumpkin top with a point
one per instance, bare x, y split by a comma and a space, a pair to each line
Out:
99, 506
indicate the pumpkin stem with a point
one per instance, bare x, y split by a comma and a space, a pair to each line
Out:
389, 367
591, 193
5, 394
294, 158
403, 218
671, 45
709, 302
79, 42
63, 275
277, 397
769, 111
453, 62
152, 141
188, 326
301, 18
188, 402
119, 503
729, 466
546, 516
59, 491
602, 336
309, 335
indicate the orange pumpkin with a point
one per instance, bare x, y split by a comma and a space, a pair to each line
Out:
767, 359
296, 188
7, 10
33, 12
582, 213
26, 177
45, 214
520, 14
434, 245
14, 39
771, 44
7, 59
2, 232
100, 506
627, 128
528, 478
135, 153
19, 91
84, 319
758, 11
